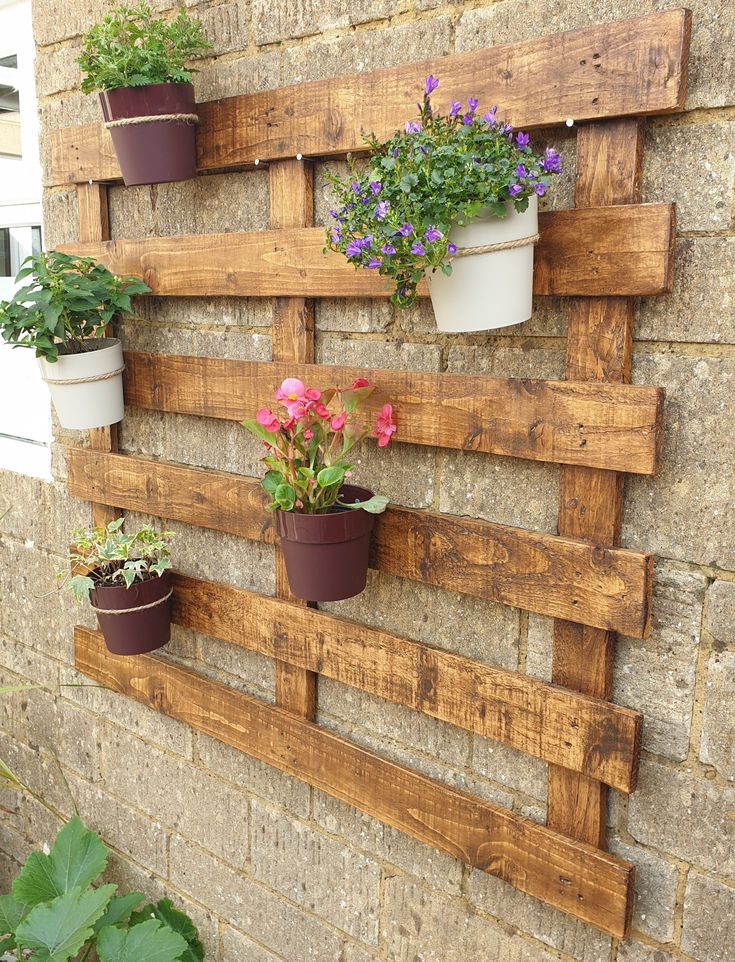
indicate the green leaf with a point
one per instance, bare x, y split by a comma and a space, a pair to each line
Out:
259, 431
119, 910
147, 942
271, 481
12, 914
329, 476
81, 585
59, 929
376, 505
179, 922
77, 858
285, 497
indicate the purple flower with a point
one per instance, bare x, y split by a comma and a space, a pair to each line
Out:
366, 241
515, 190
333, 213
454, 108
472, 103
351, 205
375, 186
521, 171
423, 150
355, 187
336, 235
451, 248
374, 263
431, 84
432, 234
551, 162
406, 230
354, 248
522, 139
395, 151
418, 249
381, 210
490, 117
540, 189
412, 127
387, 249
365, 200
467, 120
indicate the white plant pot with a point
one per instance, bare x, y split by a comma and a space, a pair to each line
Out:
81, 403
487, 291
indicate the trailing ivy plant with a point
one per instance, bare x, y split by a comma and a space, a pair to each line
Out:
67, 301
116, 558
131, 48
54, 913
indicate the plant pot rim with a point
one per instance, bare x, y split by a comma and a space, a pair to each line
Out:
95, 344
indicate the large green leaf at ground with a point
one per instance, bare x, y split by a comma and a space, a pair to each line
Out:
179, 922
77, 858
147, 942
57, 931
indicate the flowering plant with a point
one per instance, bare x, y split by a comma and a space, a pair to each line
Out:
437, 173
308, 445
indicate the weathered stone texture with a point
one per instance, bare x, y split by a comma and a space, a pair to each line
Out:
684, 815
718, 732
709, 920
721, 612
331, 880
274, 22
656, 882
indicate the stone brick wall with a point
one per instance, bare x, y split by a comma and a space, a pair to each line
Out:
275, 872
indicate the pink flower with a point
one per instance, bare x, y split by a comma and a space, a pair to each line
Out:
384, 426
296, 398
360, 382
338, 422
268, 420
321, 410
308, 435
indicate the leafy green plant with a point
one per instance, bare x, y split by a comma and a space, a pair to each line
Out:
68, 301
439, 172
131, 48
114, 557
54, 913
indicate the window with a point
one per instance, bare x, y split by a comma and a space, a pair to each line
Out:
10, 139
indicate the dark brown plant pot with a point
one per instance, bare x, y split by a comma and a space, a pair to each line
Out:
326, 555
154, 152
135, 632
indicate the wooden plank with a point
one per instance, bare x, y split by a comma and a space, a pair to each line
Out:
559, 577
94, 225
583, 734
569, 875
600, 348
607, 426
624, 250
634, 67
291, 195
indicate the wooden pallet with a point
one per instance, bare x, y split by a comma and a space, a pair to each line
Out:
603, 253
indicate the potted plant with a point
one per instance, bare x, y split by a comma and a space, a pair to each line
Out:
127, 581
58, 911
323, 520
63, 313
137, 64
452, 198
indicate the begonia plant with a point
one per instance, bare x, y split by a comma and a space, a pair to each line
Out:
308, 444
439, 172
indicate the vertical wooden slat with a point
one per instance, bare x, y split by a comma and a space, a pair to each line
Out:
599, 348
94, 225
292, 205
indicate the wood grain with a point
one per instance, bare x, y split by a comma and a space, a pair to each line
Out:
559, 577
630, 67
610, 426
583, 734
291, 195
625, 250
569, 875
599, 348
94, 225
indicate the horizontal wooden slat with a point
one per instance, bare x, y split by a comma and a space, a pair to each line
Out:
590, 251
598, 425
630, 67
584, 734
576, 878
576, 580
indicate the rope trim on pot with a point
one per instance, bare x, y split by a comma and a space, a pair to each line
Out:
502, 246
152, 119
130, 611
85, 380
